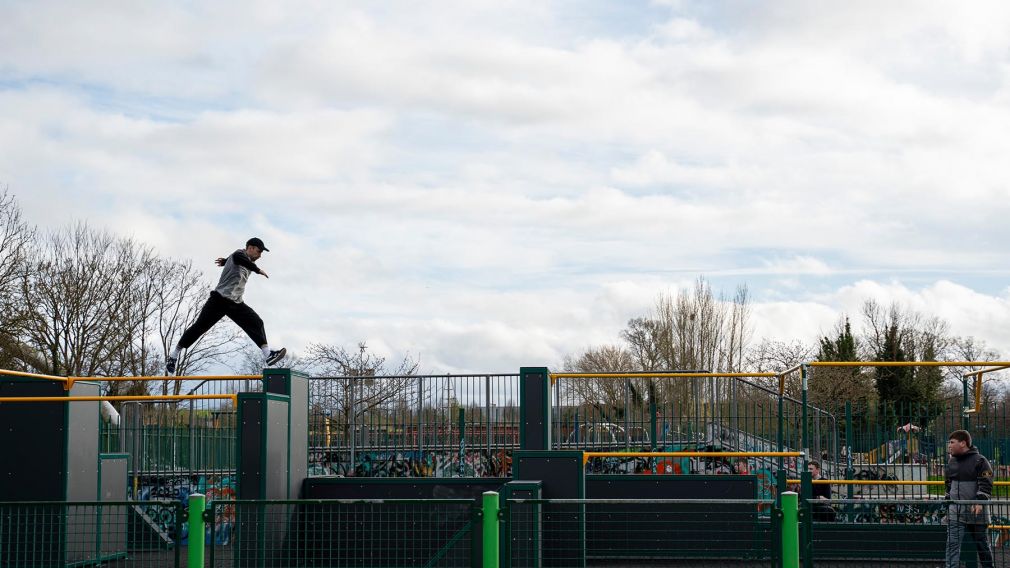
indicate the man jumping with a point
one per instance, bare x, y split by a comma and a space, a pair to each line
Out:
226, 300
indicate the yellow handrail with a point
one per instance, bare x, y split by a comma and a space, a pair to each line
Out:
120, 398
69, 381
587, 455
909, 364
32, 375
879, 482
658, 375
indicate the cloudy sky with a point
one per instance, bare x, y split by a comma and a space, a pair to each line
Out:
489, 184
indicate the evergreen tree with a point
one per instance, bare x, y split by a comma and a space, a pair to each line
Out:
894, 384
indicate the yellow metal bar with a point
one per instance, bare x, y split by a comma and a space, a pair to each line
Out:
32, 375
658, 375
231, 397
984, 371
1002, 364
879, 482
978, 393
157, 378
587, 455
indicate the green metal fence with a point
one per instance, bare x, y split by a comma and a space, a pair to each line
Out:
56, 534
668, 413
413, 426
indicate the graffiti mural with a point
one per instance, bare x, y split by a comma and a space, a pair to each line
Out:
179, 489
463, 463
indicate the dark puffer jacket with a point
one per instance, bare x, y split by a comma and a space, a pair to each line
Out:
968, 477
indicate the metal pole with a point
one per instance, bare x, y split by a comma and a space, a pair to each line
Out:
489, 524
849, 472
197, 505
352, 422
192, 438
805, 374
790, 530
965, 419
627, 409
420, 416
487, 413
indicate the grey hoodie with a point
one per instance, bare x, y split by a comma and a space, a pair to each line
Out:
235, 274
968, 477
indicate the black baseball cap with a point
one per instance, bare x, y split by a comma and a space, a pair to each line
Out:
258, 243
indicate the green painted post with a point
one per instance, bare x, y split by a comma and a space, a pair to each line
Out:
790, 530
965, 417
490, 529
653, 432
807, 525
849, 442
197, 505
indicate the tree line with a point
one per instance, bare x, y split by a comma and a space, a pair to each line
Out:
699, 329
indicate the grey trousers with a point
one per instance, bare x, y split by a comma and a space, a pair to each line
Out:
979, 533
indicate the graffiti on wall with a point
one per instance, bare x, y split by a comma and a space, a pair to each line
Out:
179, 488
464, 463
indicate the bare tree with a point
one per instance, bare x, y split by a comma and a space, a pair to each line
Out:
16, 237
971, 349
359, 382
773, 356
77, 298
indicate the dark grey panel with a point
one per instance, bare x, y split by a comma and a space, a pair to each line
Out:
26, 473
560, 473
671, 487
561, 476
536, 419
623, 530
250, 440
402, 488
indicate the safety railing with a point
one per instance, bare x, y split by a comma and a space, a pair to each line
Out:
130, 534
686, 411
413, 426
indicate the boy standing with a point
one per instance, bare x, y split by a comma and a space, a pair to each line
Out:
968, 478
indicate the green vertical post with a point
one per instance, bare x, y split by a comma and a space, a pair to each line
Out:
849, 472
965, 417
490, 528
805, 374
652, 413
807, 523
781, 434
197, 505
790, 530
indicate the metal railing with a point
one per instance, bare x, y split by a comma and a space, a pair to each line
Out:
413, 426
58, 534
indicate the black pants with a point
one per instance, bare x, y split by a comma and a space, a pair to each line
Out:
217, 307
